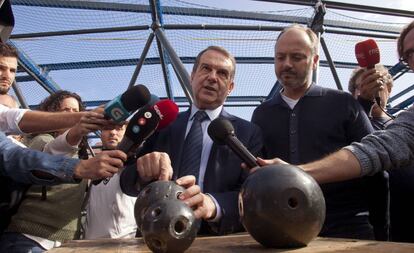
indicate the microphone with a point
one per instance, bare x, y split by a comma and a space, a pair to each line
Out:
143, 124
367, 54
153, 100
120, 108
221, 131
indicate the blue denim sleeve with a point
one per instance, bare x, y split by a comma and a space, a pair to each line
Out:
19, 163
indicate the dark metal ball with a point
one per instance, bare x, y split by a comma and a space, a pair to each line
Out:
169, 226
152, 193
281, 206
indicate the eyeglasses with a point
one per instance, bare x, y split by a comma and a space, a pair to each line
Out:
408, 56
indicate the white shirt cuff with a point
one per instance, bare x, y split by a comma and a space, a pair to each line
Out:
218, 210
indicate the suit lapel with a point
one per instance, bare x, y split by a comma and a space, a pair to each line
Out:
177, 140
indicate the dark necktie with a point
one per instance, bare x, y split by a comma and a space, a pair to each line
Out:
193, 145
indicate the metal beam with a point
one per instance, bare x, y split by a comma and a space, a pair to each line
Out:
194, 27
85, 5
202, 12
80, 31
156, 61
401, 106
177, 63
350, 7
164, 67
391, 36
229, 100
331, 64
223, 27
401, 93
276, 88
19, 95
141, 60
37, 73
157, 22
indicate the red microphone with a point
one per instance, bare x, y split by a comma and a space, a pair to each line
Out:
167, 110
144, 123
367, 54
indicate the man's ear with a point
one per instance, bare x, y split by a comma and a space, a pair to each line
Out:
231, 87
315, 61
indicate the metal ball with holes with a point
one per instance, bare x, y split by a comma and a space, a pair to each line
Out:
152, 193
281, 206
169, 226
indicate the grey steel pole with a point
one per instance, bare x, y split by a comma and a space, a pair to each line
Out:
141, 60
19, 95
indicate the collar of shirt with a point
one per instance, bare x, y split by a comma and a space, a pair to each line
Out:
207, 141
212, 114
313, 91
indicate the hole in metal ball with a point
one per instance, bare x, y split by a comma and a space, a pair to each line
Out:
156, 243
156, 212
178, 194
293, 203
180, 226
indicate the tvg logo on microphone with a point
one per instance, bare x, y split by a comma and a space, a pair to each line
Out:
116, 111
117, 114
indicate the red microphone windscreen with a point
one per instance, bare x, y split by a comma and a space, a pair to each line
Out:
167, 110
367, 53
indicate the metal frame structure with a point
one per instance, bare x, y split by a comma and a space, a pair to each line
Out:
168, 56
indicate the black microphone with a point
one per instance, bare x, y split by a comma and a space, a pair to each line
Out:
221, 132
143, 124
121, 107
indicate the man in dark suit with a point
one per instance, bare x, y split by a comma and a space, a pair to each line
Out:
212, 186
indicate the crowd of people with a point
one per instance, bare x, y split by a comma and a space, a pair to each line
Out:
361, 156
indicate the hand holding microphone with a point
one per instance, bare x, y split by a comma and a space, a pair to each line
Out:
121, 107
144, 123
368, 55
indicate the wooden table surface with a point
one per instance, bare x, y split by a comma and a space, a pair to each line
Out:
236, 243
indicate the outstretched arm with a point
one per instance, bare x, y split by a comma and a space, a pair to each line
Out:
339, 166
34, 167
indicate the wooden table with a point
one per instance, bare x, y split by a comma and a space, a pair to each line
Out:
237, 243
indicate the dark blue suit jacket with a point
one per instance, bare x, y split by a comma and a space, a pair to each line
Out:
223, 177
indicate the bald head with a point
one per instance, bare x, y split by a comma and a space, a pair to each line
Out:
311, 38
295, 58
